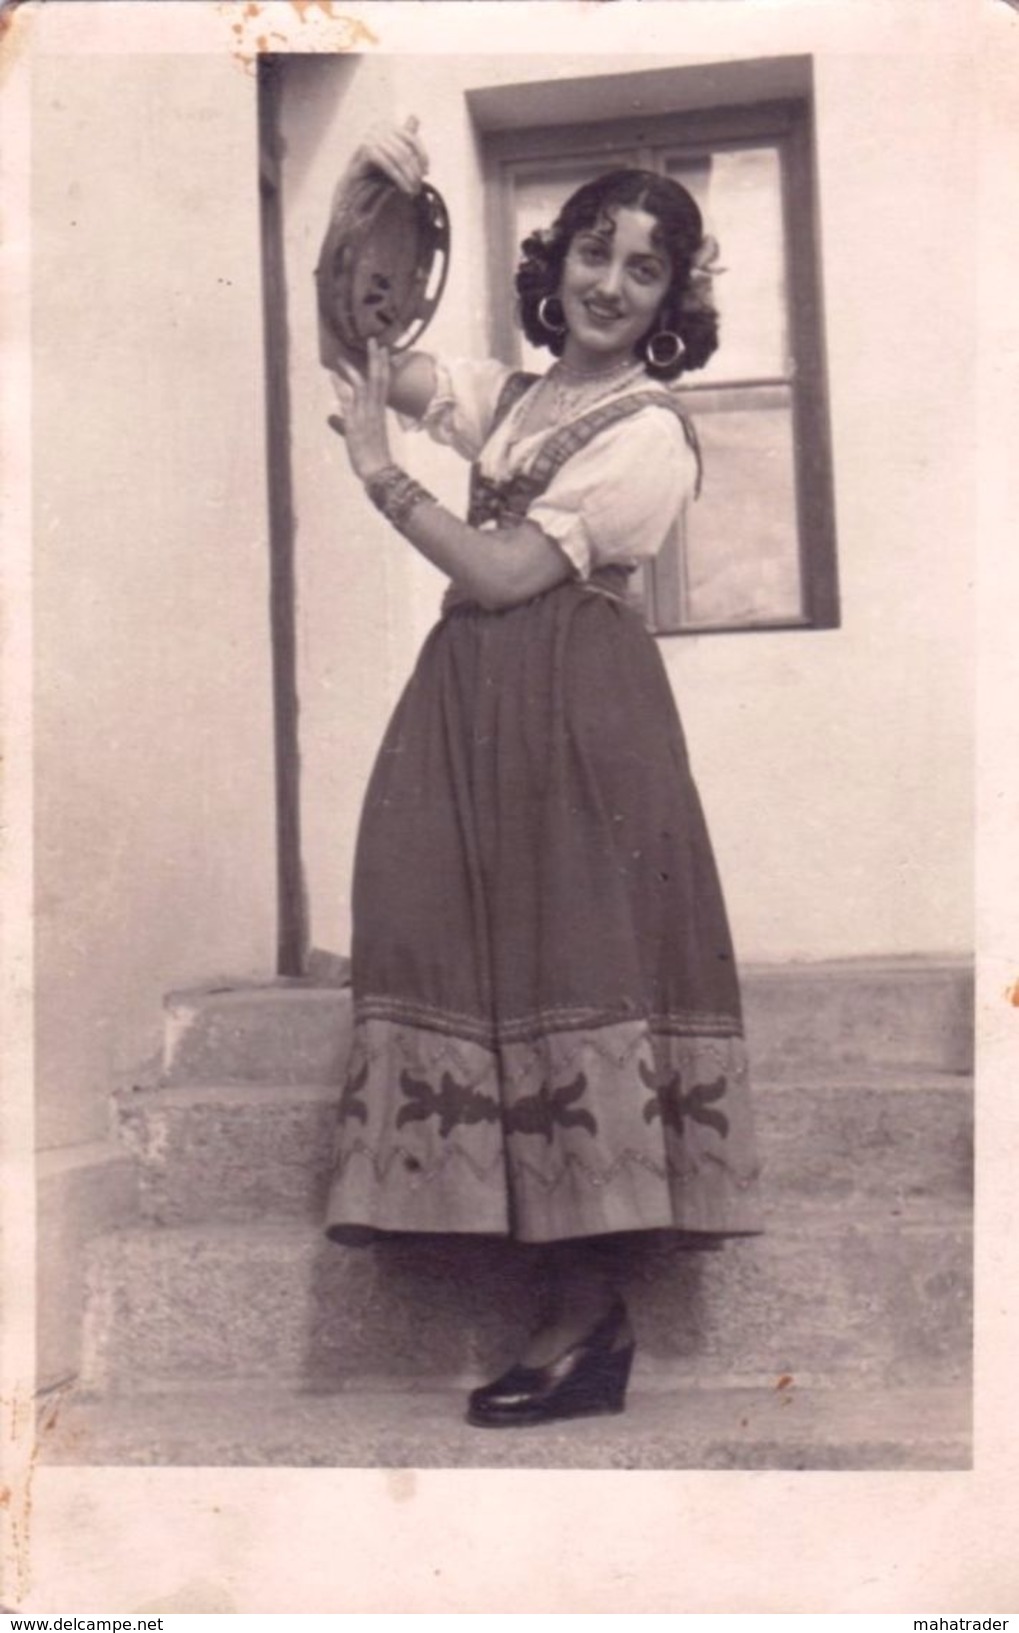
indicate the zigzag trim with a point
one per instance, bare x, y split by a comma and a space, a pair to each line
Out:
518, 1062
599, 1178
694, 1023
452, 1152
447, 1054
616, 1058
541, 1179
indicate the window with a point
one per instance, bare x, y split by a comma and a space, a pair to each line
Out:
757, 550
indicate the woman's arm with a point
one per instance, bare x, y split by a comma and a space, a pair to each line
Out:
494, 571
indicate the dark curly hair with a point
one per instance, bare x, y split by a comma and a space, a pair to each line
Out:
686, 309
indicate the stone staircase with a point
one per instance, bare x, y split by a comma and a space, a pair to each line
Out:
223, 1328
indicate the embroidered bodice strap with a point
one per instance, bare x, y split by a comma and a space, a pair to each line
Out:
574, 436
486, 501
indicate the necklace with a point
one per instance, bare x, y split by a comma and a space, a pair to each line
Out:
565, 392
570, 390
567, 372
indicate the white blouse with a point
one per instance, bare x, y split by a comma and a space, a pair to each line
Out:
613, 501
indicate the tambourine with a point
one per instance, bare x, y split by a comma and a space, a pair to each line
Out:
382, 268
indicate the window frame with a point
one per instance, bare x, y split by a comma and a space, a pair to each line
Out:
788, 122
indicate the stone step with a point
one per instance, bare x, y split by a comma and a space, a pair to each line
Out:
882, 1300
694, 1428
891, 1013
251, 1151
270, 1032
882, 1013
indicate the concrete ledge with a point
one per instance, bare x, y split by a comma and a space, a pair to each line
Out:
282, 1032
869, 1013
688, 1429
881, 1300
83, 1192
916, 1014
254, 1151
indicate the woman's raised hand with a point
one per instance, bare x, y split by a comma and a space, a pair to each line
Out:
397, 151
362, 399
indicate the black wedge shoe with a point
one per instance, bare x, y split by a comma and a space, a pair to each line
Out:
587, 1378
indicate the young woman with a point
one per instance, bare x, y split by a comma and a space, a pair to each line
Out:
547, 1041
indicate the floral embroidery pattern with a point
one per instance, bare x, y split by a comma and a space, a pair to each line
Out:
543, 1112
351, 1103
452, 1103
672, 1104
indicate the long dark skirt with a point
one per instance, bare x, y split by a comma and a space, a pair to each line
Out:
548, 1042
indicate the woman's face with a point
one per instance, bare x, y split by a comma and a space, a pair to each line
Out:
613, 282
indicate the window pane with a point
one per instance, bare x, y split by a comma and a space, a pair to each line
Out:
739, 191
738, 556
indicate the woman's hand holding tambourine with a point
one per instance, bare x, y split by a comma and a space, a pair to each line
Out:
397, 151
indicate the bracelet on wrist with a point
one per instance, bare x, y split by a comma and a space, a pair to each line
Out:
396, 494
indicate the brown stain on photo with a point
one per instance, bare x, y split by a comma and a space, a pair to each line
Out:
16, 1503
253, 39
302, 7
18, 1421
8, 11
1012, 994
14, 19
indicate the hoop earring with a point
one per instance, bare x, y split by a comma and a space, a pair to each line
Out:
553, 328
672, 344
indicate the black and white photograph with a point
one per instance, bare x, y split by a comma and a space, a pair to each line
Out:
502, 917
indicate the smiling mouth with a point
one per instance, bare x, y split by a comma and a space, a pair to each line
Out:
600, 315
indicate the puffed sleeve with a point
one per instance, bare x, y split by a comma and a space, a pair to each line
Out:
462, 411
615, 499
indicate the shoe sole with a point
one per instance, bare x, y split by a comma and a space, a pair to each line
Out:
537, 1419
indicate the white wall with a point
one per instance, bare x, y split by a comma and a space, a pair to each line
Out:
835, 766
354, 590
153, 712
